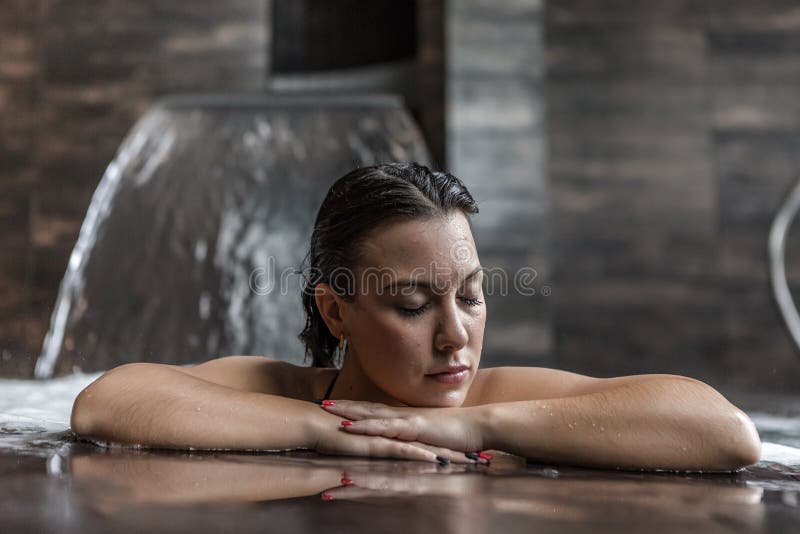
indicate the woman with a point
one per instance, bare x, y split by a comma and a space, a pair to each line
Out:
394, 286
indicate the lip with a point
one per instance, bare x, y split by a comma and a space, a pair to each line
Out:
450, 370
451, 378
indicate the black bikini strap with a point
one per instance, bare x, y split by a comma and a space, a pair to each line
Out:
330, 388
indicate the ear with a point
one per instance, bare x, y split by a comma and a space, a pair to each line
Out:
331, 307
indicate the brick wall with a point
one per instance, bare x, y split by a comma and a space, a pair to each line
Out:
674, 134
74, 76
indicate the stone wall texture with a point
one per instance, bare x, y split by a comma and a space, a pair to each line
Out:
74, 77
632, 154
496, 145
673, 136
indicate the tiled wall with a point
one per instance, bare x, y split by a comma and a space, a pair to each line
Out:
74, 76
496, 144
674, 132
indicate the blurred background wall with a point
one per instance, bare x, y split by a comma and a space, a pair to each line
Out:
673, 131
631, 153
74, 77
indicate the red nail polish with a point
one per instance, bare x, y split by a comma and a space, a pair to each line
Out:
328, 403
485, 456
347, 423
346, 481
327, 497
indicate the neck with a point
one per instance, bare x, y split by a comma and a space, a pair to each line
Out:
353, 384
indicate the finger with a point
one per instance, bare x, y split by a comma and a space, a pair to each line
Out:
414, 450
371, 485
347, 493
406, 430
357, 410
452, 456
398, 428
402, 450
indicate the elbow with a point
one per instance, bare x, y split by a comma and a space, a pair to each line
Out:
741, 443
736, 439
82, 421
748, 448
91, 406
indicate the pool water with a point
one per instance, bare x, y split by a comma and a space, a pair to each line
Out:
52, 482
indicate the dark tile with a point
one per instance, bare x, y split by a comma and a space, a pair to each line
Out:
755, 171
747, 15
627, 325
489, 105
627, 12
757, 106
517, 159
658, 53
626, 107
746, 56
758, 348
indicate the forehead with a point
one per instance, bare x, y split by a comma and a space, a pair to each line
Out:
440, 242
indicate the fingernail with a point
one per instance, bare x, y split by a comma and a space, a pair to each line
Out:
485, 456
442, 460
346, 481
327, 497
347, 423
328, 403
472, 456
317, 401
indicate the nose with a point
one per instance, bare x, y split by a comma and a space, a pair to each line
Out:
451, 334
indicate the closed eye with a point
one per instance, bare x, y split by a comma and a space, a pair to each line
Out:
414, 311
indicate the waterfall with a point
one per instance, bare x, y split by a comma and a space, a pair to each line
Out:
193, 242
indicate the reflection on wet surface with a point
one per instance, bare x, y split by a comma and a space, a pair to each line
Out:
51, 482
86, 488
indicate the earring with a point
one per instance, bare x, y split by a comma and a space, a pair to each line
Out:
341, 342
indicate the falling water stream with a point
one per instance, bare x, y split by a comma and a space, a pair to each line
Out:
193, 243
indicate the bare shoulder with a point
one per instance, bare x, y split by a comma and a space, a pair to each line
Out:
258, 374
509, 384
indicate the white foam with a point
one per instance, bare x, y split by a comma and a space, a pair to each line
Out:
782, 454
775, 423
33, 409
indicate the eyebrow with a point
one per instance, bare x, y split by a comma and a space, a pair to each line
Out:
409, 283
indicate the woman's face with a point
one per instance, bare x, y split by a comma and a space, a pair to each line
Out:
419, 309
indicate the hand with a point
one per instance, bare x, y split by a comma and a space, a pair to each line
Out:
426, 480
457, 429
332, 439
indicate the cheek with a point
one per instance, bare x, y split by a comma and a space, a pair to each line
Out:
393, 341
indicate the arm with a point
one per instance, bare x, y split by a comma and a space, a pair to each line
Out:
661, 422
631, 422
160, 406
156, 405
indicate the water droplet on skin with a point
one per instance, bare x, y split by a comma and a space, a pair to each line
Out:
602, 429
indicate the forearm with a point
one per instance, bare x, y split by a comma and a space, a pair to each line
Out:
177, 479
155, 406
651, 424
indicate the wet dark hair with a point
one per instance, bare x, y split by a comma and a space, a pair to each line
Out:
355, 206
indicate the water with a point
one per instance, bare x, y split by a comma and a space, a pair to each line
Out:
53, 482
191, 245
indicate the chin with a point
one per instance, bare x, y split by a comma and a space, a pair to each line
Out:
451, 399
